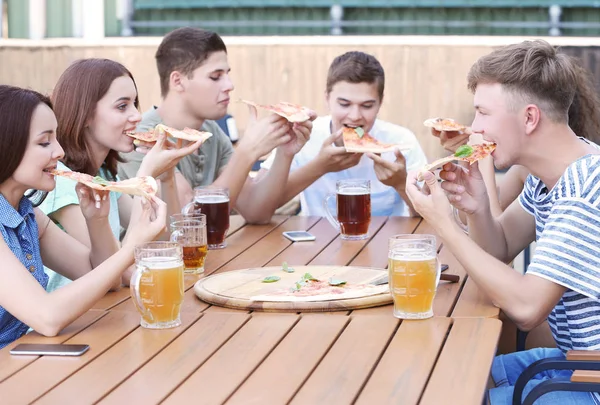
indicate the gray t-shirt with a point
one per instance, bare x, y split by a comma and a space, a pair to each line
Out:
199, 169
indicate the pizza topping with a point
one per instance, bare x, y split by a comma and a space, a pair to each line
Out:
287, 269
464, 151
271, 279
305, 280
359, 131
334, 281
100, 180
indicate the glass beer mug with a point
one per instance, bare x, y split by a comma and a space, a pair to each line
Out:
353, 209
190, 232
214, 203
157, 284
414, 273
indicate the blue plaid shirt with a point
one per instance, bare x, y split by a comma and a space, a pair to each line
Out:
20, 232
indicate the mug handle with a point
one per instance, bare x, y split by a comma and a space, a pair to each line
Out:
334, 222
175, 236
438, 271
188, 208
134, 288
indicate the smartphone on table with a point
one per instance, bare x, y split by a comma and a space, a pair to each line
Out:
299, 236
49, 349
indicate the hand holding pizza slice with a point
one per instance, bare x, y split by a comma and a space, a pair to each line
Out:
143, 186
358, 141
465, 153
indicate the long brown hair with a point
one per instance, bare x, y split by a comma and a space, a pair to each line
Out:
75, 99
584, 113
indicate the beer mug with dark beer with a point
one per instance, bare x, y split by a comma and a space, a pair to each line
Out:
414, 273
353, 209
190, 232
214, 203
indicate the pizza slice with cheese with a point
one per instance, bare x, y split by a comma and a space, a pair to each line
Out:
143, 186
465, 153
446, 124
357, 140
289, 111
187, 134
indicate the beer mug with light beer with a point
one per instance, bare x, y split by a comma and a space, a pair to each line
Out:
353, 209
190, 232
157, 284
214, 203
414, 273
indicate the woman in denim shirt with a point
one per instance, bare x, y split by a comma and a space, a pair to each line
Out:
28, 151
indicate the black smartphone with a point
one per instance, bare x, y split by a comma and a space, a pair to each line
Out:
41, 349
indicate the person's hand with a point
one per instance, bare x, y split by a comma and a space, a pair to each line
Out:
264, 135
391, 174
150, 223
300, 134
332, 158
451, 140
164, 156
465, 187
429, 201
94, 204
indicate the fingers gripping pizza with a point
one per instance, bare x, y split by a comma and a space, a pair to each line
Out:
289, 111
465, 153
357, 140
142, 186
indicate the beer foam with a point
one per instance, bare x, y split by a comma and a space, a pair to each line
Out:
353, 191
211, 199
411, 255
160, 263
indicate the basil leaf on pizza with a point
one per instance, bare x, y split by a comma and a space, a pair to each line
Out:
271, 279
334, 281
464, 151
99, 180
359, 131
286, 268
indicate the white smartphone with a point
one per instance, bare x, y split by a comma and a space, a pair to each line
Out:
35, 349
299, 236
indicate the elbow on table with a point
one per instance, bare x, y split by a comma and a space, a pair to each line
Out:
48, 324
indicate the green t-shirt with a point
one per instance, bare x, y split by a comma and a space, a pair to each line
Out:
64, 194
199, 169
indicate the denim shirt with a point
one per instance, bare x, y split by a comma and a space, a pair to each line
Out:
20, 233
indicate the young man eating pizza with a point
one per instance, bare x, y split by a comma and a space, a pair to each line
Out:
355, 85
522, 94
195, 85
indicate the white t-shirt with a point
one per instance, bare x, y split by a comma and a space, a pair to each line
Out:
384, 199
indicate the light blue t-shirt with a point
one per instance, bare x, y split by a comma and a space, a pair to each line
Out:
20, 233
64, 194
385, 200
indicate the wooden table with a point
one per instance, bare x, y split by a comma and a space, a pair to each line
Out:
233, 357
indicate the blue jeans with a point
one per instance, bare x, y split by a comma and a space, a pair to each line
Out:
507, 368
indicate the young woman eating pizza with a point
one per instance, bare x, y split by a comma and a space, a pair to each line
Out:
96, 104
28, 151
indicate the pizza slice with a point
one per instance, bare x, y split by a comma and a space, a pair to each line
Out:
187, 134
289, 111
465, 153
357, 140
446, 124
143, 186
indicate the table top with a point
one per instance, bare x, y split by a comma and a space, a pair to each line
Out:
220, 355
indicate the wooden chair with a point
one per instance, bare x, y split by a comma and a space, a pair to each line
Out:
586, 377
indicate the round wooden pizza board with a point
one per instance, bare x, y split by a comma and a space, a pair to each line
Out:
236, 289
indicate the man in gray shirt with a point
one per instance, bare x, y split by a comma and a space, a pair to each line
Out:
195, 85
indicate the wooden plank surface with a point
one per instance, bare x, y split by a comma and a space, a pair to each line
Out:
279, 376
161, 375
115, 365
405, 367
10, 364
341, 374
466, 356
48, 371
341, 252
227, 369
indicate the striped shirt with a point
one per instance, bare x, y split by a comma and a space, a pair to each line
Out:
567, 232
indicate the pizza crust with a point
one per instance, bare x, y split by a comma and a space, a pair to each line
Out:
141, 186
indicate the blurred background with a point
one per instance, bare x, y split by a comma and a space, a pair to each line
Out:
281, 49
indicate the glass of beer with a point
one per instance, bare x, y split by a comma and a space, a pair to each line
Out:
414, 272
353, 209
214, 203
157, 284
190, 232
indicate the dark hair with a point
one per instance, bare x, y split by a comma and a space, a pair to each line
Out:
533, 71
16, 111
75, 99
584, 113
356, 67
184, 50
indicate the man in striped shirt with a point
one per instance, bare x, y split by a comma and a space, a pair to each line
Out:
522, 93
